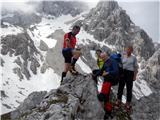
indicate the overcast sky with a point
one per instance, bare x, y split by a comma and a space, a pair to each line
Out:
144, 13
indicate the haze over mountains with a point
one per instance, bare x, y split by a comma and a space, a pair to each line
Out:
31, 57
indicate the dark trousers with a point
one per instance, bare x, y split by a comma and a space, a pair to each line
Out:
126, 79
94, 73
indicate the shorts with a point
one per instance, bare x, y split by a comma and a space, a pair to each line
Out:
67, 54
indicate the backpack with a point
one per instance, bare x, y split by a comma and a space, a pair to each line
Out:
117, 58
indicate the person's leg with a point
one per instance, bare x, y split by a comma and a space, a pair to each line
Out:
107, 104
129, 86
67, 57
76, 54
66, 69
120, 89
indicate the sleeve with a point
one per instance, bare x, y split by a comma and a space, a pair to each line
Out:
135, 64
65, 36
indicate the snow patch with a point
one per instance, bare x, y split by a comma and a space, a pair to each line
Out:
83, 66
85, 38
141, 89
93, 54
40, 82
46, 27
10, 30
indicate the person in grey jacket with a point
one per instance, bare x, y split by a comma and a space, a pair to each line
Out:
130, 70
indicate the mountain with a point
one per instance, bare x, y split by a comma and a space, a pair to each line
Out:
110, 24
28, 51
31, 53
76, 98
44, 8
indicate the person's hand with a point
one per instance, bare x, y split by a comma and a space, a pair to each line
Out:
134, 77
78, 47
105, 73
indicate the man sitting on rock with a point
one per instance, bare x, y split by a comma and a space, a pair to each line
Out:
100, 63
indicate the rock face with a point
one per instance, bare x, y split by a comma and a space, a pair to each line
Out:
21, 45
43, 8
148, 107
22, 19
151, 72
58, 8
110, 24
76, 98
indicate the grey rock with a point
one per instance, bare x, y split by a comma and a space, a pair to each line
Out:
151, 73
58, 8
44, 68
25, 70
43, 46
22, 45
2, 62
22, 19
18, 61
7, 106
76, 98
29, 103
18, 72
3, 94
34, 65
147, 108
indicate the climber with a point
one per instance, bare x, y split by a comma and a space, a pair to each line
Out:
110, 72
130, 70
100, 63
70, 53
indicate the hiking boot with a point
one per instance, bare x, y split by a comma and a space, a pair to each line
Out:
128, 108
63, 76
108, 115
118, 103
73, 71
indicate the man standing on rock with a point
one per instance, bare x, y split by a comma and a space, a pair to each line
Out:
69, 52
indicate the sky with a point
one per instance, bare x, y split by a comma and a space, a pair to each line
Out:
144, 13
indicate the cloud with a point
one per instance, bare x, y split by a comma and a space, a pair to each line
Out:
146, 15
24, 6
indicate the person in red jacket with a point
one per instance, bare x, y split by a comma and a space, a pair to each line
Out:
69, 52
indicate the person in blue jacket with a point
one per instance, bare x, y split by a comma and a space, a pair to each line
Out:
110, 72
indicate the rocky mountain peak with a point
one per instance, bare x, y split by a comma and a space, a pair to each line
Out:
109, 6
110, 24
76, 98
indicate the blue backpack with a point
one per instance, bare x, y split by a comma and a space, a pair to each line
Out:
117, 58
